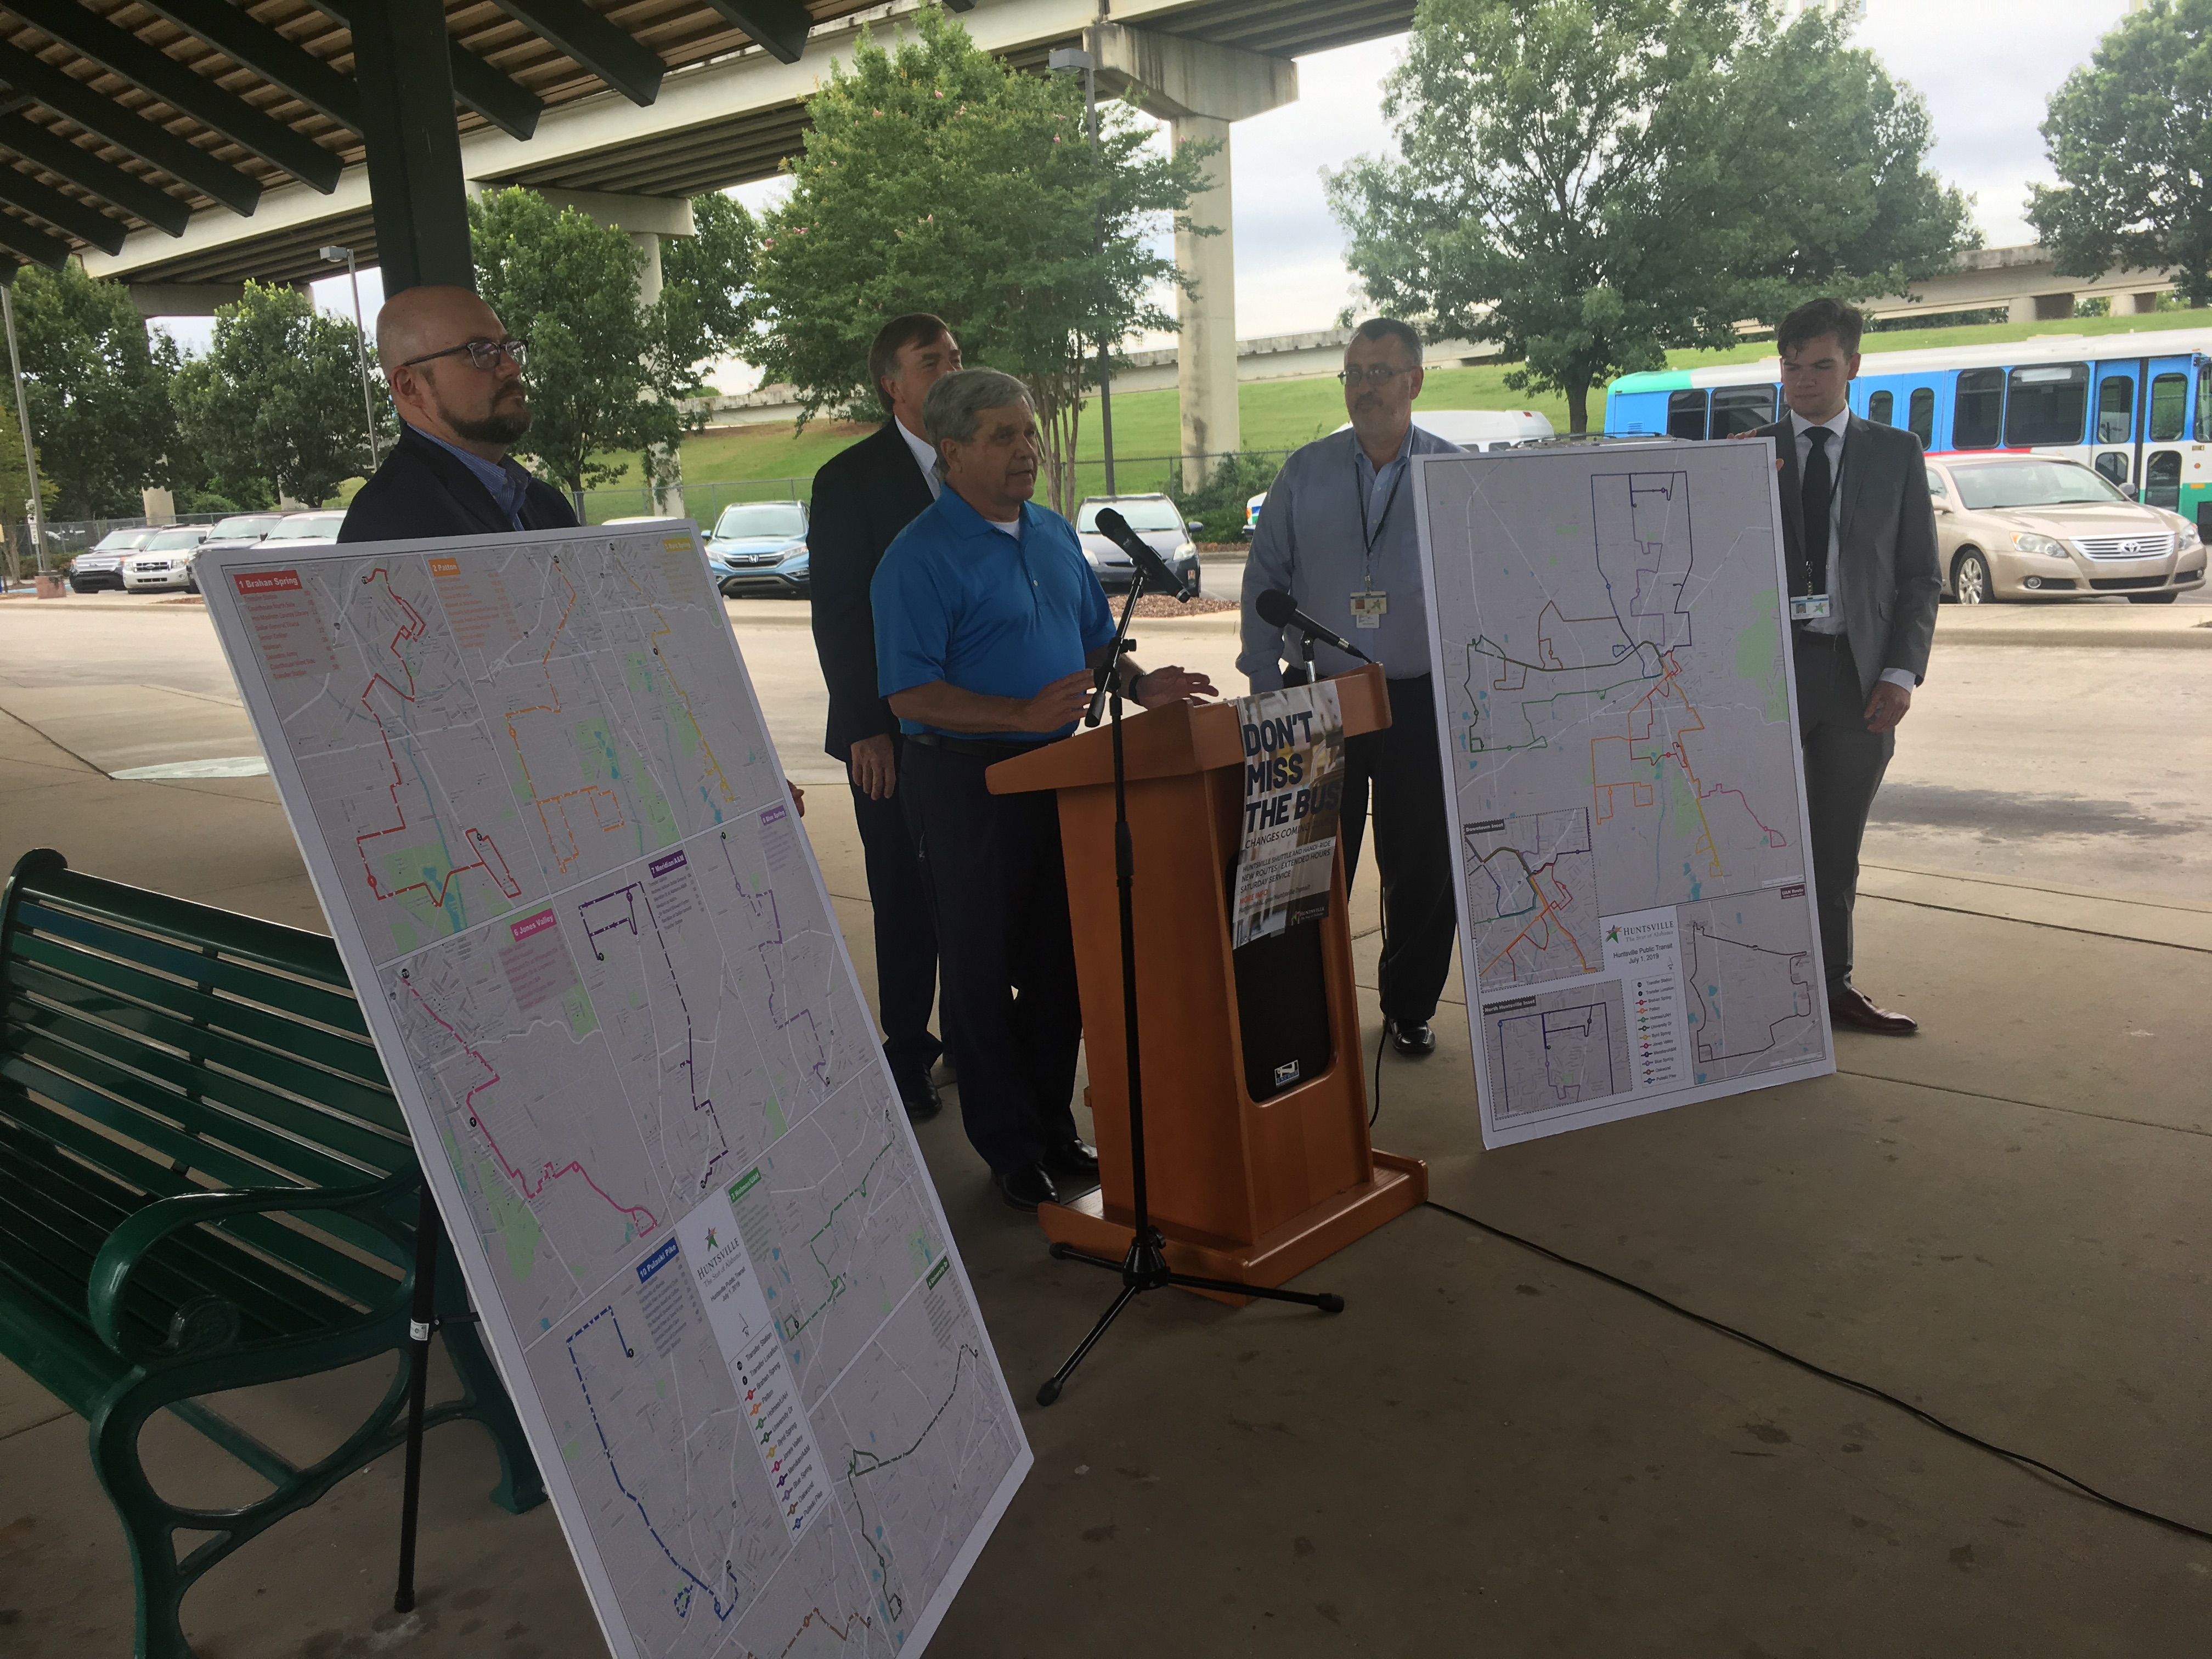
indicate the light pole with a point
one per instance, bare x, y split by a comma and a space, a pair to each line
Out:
1074, 57
23, 421
336, 255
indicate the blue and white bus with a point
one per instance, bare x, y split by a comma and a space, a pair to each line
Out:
2137, 407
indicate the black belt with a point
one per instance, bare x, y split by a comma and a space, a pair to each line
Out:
982, 748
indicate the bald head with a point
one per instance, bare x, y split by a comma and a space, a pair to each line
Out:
441, 389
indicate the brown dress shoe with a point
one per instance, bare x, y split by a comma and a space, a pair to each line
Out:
1853, 1007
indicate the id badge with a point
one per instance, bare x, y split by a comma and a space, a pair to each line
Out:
1807, 607
1368, 609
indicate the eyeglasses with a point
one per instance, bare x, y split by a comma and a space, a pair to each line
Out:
1373, 374
484, 354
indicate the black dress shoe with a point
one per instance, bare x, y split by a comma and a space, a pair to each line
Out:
1073, 1162
919, 1093
1413, 1038
1025, 1188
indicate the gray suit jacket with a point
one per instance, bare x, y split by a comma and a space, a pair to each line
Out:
1885, 564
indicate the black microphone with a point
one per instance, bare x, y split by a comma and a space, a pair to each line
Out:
1150, 565
1278, 610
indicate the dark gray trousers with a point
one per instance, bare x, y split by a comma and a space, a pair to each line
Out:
1844, 764
1399, 766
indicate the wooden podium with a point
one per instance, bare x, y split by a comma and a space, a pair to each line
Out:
1254, 1190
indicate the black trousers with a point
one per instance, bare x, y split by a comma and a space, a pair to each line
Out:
1401, 768
906, 937
1006, 956
1844, 766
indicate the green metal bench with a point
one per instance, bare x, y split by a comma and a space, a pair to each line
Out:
205, 1183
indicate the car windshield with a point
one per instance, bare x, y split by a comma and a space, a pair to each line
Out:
2030, 483
167, 540
120, 541
245, 524
1141, 515
308, 526
760, 521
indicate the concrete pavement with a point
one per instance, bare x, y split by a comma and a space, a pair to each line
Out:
2001, 1220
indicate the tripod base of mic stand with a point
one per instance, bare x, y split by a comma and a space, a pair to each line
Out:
1145, 1268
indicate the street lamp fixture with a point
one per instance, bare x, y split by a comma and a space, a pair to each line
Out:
1069, 59
335, 255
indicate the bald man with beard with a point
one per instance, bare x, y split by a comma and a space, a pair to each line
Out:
456, 378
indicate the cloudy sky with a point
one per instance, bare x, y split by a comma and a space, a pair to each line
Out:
1986, 67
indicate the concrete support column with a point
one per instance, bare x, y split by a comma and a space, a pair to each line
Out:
160, 505
1198, 90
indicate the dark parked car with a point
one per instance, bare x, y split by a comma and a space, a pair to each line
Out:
100, 565
239, 530
1156, 518
758, 549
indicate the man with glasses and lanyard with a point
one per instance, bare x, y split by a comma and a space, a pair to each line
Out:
1337, 535
456, 379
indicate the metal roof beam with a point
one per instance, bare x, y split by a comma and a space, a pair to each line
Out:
47, 149
245, 40
187, 163
506, 104
778, 27
182, 88
80, 219
618, 59
33, 243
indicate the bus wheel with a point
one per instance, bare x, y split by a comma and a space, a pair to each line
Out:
1970, 579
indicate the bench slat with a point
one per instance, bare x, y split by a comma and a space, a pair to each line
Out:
326, 1007
315, 1146
272, 944
353, 1059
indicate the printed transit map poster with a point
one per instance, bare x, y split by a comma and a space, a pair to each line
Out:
1618, 716
536, 794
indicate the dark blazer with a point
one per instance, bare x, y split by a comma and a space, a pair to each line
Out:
421, 491
1885, 565
863, 497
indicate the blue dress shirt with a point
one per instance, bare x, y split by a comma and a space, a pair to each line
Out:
960, 600
504, 478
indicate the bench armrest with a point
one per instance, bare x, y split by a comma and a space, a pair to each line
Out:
209, 1324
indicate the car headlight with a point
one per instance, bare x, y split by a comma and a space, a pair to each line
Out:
2041, 546
2185, 538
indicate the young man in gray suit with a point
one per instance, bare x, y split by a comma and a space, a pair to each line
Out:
1864, 576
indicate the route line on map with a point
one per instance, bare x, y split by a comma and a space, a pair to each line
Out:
894, 1603
690, 1068
590, 790
1708, 1017
614, 1469
683, 696
478, 842
549, 1173
766, 896
836, 1280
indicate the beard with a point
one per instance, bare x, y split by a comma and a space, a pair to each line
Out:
501, 426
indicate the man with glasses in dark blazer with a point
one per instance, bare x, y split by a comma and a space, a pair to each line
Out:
863, 497
456, 379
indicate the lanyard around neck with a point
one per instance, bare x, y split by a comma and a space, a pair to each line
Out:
1368, 538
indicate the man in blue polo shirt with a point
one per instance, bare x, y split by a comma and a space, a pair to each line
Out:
990, 621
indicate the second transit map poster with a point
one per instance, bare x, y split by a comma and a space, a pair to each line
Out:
1609, 637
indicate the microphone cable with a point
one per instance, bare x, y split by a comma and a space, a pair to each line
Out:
2068, 1482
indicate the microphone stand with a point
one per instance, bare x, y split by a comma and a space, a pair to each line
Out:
1146, 1265
1302, 671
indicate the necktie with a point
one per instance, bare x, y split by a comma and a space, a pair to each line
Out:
1813, 498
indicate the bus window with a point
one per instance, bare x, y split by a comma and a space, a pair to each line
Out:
2203, 395
1685, 414
2116, 411
1880, 407
2045, 404
2162, 479
1920, 414
1741, 409
2169, 407
1977, 417
2113, 464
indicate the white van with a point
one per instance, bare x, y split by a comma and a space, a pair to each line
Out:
1482, 428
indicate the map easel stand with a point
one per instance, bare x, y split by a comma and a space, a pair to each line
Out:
1146, 1265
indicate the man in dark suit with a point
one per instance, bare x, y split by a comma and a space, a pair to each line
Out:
456, 379
863, 498
1859, 535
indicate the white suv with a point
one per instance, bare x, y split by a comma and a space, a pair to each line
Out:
164, 559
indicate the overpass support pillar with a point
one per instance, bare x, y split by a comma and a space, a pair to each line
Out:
1200, 90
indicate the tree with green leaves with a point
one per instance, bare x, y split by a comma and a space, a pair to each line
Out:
2130, 135
936, 177
1591, 183
273, 410
97, 386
